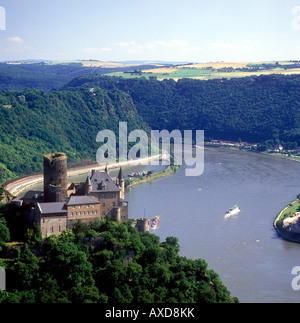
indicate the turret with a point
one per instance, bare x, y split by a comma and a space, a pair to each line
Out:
87, 186
142, 225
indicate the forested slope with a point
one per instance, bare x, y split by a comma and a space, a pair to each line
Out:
108, 263
33, 123
254, 109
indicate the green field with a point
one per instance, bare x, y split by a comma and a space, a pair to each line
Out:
215, 70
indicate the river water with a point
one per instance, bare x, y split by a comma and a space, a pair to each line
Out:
253, 262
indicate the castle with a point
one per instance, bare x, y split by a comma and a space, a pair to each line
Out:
61, 205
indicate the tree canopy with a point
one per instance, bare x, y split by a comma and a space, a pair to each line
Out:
108, 263
254, 109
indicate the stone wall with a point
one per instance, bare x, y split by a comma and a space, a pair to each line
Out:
53, 225
142, 225
108, 201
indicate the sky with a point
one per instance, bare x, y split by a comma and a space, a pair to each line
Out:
152, 30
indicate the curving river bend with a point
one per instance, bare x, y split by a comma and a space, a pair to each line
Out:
251, 259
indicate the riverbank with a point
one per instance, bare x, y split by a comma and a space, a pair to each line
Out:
286, 222
148, 178
251, 147
16, 186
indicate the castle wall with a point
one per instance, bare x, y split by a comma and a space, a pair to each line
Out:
53, 225
78, 212
142, 225
123, 213
86, 213
108, 201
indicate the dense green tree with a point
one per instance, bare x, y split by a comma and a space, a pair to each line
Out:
4, 231
127, 267
254, 109
24, 272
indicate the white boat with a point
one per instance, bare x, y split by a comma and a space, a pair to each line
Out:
155, 223
232, 211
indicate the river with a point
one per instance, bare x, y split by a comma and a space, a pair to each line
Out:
251, 259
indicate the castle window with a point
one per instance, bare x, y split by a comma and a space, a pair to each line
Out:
103, 213
114, 204
79, 213
93, 205
92, 212
95, 211
103, 204
75, 213
87, 206
83, 213
87, 212
71, 213
114, 195
79, 206
103, 196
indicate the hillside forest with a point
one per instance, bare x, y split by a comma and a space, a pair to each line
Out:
258, 109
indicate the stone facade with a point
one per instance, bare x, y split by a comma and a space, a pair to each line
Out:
142, 225
52, 217
55, 177
53, 225
84, 208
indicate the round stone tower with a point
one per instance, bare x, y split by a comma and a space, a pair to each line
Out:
55, 176
143, 225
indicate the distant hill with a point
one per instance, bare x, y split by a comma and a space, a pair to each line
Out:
49, 76
255, 109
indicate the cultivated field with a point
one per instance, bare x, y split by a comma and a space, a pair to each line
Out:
217, 70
